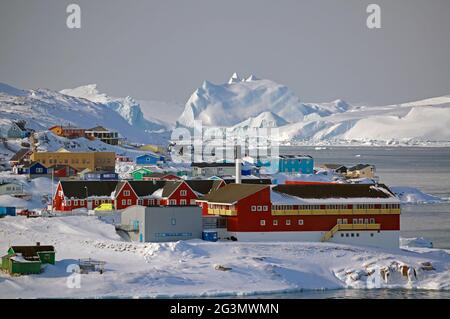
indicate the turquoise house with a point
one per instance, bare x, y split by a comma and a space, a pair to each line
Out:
297, 164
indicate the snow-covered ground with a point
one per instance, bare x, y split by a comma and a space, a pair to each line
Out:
191, 268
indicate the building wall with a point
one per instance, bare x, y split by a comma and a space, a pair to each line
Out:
296, 165
78, 160
126, 197
8, 189
213, 171
384, 239
163, 224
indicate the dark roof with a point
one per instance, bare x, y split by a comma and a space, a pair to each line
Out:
204, 186
231, 193
98, 128
335, 190
31, 251
294, 156
20, 154
170, 187
76, 189
262, 181
358, 167
204, 164
31, 164
158, 174
145, 188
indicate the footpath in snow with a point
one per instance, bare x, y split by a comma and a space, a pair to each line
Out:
199, 268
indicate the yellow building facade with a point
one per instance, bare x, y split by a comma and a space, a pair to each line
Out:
94, 161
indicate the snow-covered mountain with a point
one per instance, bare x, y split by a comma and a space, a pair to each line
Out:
242, 104
126, 107
82, 107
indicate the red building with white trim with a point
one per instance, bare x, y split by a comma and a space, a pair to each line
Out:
343, 213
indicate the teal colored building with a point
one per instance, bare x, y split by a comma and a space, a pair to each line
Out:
296, 164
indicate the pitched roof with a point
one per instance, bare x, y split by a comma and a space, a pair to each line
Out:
98, 128
358, 167
76, 189
146, 188
20, 154
170, 187
231, 193
204, 164
335, 190
295, 156
204, 186
31, 164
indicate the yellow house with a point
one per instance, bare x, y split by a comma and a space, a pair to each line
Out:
94, 161
361, 171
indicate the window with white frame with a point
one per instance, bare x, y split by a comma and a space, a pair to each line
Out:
259, 208
339, 221
82, 202
262, 222
69, 202
275, 222
129, 202
300, 222
288, 222
124, 201
355, 221
126, 193
182, 202
372, 220
172, 202
140, 201
345, 221
253, 208
183, 192
75, 202
265, 208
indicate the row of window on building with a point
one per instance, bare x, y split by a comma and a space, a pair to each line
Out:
357, 221
340, 206
288, 222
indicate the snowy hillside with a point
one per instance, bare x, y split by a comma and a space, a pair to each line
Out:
191, 268
247, 103
43, 108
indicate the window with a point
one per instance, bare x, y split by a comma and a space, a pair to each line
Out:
342, 235
275, 222
346, 234
82, 202
39, 170
96, 202
300, 222
357, 234
371, 234
124, 201
69, 202
173, 221
361, 221
339, 221
288, 222
345, 221
366, 220
183, 192
372, 220
353, 235
265, 208
140, 202
182, 202
262, 222
129, 202
355, 221
172, 202
259, 208
253, 208
126, 193
75, 202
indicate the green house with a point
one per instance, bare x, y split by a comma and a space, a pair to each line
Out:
27, 259
139, 173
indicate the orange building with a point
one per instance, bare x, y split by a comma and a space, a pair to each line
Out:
67, 131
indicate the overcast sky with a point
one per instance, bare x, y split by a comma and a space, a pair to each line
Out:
163, 50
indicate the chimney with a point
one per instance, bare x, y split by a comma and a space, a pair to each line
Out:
238, 161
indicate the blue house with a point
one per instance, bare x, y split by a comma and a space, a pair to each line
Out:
297, 164
100, 176
34, 168
7, 211
148, 159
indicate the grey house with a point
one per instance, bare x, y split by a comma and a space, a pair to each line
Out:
162, 224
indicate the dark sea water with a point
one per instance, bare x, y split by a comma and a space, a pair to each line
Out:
425, 168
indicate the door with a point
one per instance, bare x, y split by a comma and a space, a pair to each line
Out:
141, 238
